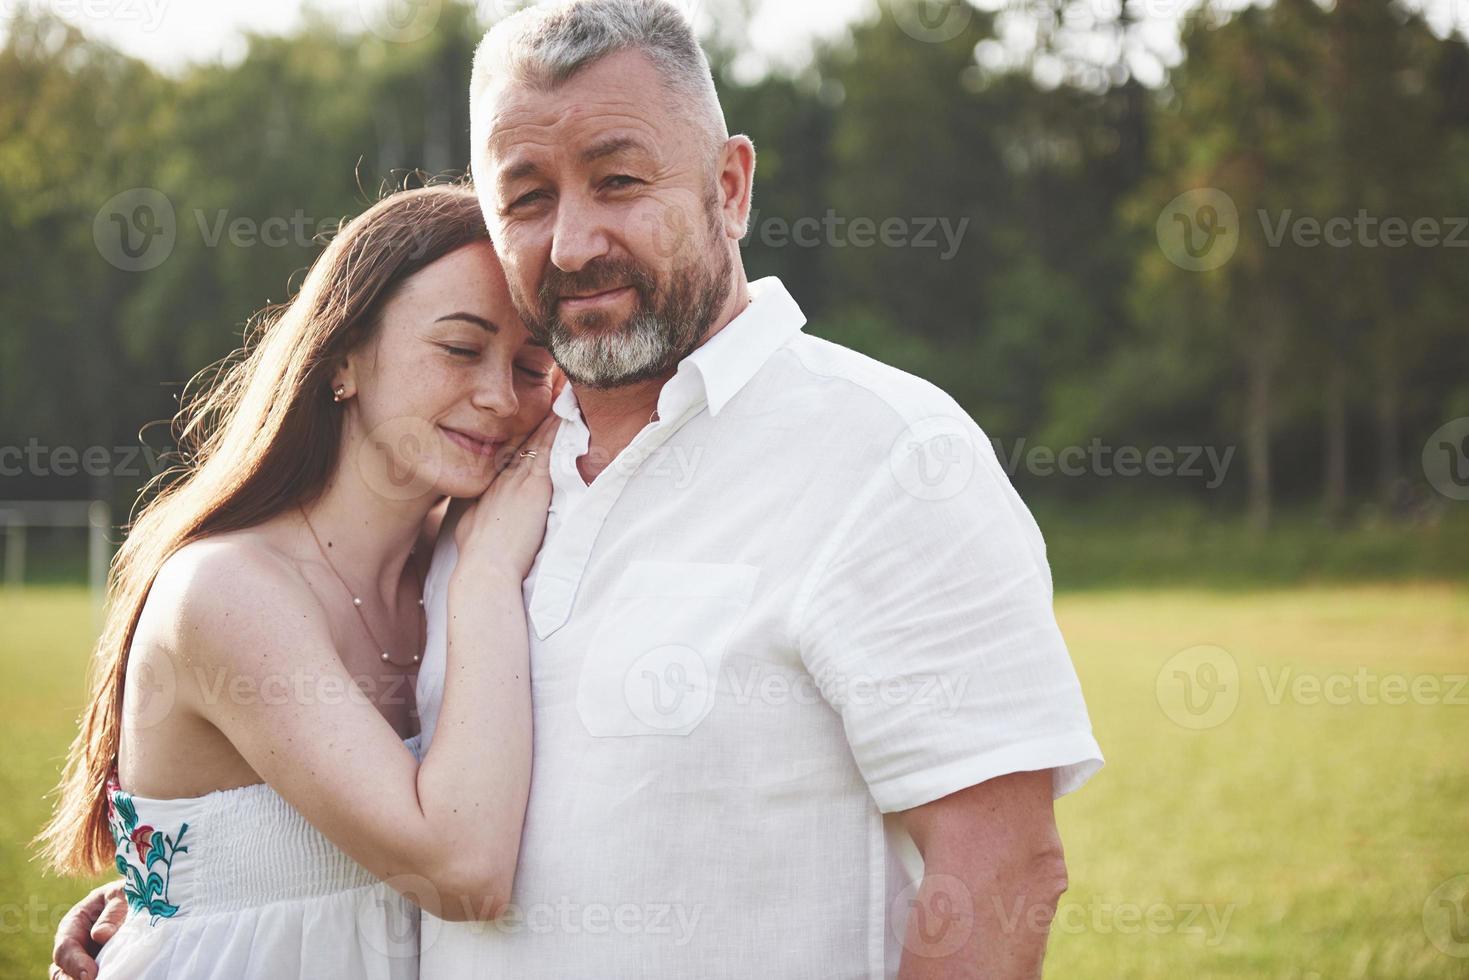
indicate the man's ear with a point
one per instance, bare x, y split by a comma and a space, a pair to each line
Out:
736, 185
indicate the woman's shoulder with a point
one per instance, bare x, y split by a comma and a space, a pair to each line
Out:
238, 562
220, 612
226, 581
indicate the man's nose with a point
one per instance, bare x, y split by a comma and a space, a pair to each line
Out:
581, 234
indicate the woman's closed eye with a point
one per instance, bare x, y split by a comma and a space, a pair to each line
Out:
459, 351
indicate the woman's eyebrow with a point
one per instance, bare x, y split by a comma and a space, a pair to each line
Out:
478, 321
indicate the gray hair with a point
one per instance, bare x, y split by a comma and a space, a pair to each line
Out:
546, 45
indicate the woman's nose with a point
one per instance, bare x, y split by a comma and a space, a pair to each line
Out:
496, 395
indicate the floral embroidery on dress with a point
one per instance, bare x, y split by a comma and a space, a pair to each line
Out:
151, 848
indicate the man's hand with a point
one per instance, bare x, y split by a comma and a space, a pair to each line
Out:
83, 931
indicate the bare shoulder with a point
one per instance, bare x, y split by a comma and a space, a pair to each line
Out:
228, 609
227, 592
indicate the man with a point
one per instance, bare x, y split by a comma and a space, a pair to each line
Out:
801, 706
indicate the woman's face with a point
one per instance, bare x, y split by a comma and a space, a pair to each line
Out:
450, 383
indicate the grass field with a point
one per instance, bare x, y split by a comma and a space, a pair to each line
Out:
1287, 784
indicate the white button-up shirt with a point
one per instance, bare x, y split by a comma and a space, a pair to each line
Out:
805, 598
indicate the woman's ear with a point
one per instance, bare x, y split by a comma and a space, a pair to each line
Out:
344, 381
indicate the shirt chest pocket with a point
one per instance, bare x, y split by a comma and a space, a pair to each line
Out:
652, 666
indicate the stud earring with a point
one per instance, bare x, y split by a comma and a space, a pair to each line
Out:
339, 392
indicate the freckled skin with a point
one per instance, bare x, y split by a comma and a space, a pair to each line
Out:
451, 372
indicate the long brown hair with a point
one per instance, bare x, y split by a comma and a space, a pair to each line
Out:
256, 434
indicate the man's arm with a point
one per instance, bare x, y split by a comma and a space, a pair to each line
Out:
85, 929
954, 588
993, 873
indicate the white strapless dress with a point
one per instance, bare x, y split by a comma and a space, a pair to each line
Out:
236, 885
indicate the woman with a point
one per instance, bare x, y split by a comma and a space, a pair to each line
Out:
249, 758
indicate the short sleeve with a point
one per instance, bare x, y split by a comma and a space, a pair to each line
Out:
926, 622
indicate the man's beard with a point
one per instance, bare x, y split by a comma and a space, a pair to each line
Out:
666, 326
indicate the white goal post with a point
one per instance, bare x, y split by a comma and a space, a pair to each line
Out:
16, 516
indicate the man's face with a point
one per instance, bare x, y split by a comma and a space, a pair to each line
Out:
606, 208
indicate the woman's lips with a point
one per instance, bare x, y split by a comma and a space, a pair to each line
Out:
577, 304
473, 444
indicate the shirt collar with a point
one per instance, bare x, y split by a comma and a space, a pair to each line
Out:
726, 362
729, 359
565, 405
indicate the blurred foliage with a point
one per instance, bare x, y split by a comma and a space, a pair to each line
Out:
1055, 318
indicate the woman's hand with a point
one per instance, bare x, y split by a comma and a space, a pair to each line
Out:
503, 528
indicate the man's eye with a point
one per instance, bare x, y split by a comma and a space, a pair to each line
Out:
621, 180
524, 199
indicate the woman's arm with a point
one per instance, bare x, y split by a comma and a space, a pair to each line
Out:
447, 832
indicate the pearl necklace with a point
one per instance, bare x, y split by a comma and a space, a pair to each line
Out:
357, 600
